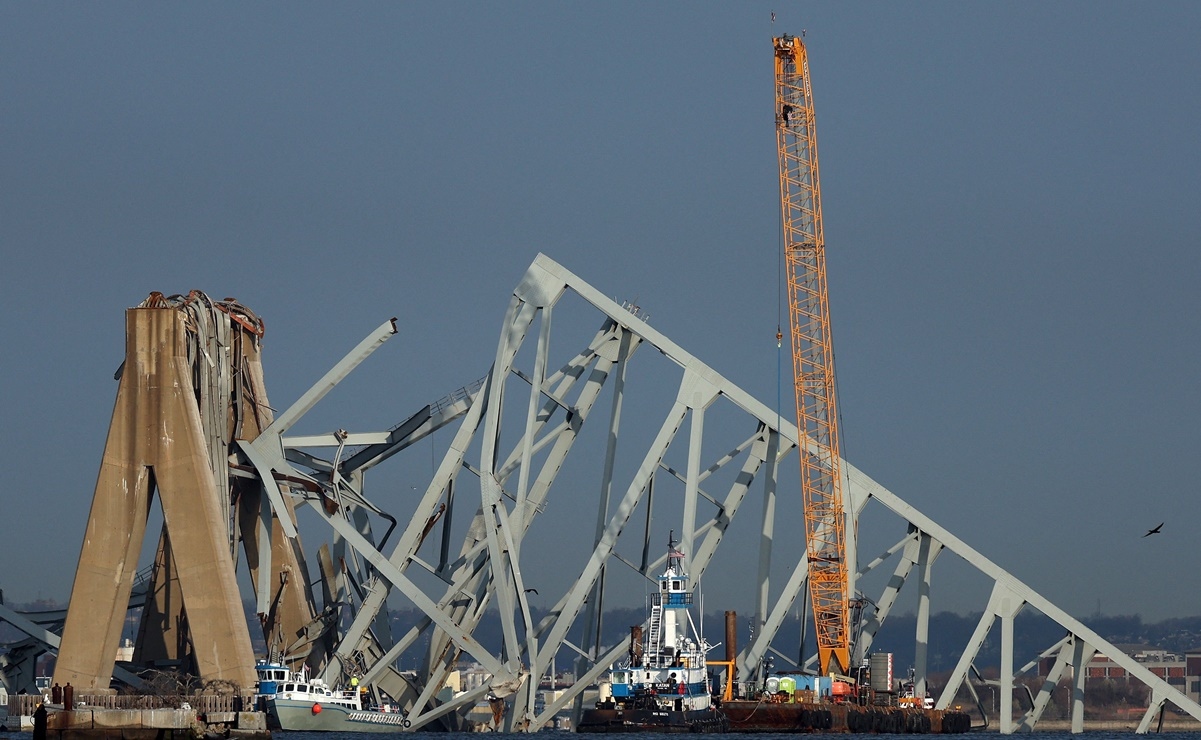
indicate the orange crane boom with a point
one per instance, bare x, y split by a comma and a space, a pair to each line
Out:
812, 353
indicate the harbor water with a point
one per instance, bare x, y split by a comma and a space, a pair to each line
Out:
1091, 735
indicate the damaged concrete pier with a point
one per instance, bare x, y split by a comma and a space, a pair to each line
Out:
107, 717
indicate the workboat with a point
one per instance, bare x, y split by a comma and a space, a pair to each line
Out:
664, 685
294, 702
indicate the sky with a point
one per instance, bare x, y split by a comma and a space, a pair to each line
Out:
1010, 195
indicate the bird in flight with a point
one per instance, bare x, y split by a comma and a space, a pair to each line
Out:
534, 590
1154, 531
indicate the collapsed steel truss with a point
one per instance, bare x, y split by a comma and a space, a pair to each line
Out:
512, 436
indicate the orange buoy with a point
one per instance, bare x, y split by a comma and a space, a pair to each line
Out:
316, 709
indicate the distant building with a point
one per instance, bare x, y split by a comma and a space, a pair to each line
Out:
125, 651
472, 676
1182, 672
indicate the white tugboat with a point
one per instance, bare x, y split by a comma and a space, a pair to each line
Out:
664, 686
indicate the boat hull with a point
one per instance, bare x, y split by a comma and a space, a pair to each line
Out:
748, 716
653, 720
298, 715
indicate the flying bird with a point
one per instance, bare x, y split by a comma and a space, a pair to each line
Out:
1154, 531
534, 590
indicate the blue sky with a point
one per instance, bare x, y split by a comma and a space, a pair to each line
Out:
1010, 200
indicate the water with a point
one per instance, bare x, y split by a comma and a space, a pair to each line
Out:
1091, 735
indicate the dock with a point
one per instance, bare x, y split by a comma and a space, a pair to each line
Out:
141, 717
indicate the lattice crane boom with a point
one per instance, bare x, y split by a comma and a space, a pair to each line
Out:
812, 353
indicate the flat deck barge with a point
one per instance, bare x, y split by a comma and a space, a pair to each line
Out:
748, 715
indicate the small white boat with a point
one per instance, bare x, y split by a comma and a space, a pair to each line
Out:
296, 703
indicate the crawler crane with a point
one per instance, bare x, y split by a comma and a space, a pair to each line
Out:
812, 354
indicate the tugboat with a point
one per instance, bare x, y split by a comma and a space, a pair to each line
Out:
664, 685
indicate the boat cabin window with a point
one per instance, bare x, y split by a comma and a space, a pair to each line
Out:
279, 675
619, 677
675, 585
303, 687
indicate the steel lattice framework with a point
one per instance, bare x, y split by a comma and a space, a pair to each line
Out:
812, 351
630, 425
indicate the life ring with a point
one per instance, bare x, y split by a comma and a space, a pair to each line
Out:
316, 709
407, 723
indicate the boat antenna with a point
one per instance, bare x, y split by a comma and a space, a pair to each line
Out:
674, 556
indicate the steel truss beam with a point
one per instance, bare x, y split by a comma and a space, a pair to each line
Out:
506, 443
512, 460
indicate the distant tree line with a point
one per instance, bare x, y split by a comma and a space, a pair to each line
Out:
949, 633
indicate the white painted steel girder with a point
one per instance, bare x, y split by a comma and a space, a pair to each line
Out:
513, 468
504, 443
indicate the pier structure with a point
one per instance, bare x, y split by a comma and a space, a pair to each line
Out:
190, 388
545, 429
